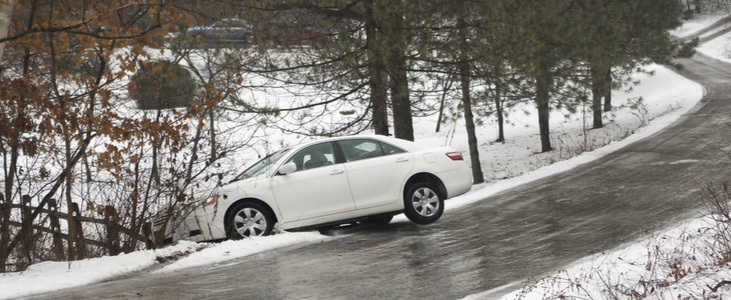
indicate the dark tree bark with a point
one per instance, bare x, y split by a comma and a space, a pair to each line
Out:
464, 74
446, 86
608, 90
156, 144
543, 87
499, 107
477, 175
601, 76
500, 117
401, 105
6, 245
212, 131
399, 83
597, 91
379, 100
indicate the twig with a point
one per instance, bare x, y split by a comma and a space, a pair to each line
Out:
722, 283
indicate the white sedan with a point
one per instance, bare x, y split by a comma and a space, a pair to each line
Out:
333, 181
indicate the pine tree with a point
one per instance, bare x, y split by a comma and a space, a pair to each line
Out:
365, 60
543, 51
621, 35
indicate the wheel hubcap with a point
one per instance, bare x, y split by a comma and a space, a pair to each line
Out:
250, 222
425, 202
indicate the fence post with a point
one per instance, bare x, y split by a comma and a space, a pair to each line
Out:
56, 228
26, 232
2, 213
79, 238
147, 231
110, 217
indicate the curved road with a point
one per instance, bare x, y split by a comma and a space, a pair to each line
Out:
532, 229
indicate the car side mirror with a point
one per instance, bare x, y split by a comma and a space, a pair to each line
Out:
287, 168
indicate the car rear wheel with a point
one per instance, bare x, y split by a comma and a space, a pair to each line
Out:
422, 203
249, 219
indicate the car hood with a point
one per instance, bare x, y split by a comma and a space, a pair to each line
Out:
240, 187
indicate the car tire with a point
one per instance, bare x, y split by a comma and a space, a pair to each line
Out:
423, 204
249, 219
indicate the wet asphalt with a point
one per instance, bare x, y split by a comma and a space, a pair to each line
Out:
494, 244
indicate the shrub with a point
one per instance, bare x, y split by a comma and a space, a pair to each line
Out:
161, 85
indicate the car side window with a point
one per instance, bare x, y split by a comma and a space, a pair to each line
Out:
389, 149
314, 156
355, 150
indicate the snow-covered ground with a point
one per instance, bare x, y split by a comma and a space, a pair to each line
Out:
702, 25
666, 96
719, 48
679, 263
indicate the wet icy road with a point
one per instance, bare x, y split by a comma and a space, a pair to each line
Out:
532, 229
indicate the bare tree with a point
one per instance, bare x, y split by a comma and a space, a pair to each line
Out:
57, 85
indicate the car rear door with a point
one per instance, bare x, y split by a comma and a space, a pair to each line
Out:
376, 171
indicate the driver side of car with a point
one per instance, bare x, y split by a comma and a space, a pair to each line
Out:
317, 159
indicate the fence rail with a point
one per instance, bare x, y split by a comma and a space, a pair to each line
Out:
111, 223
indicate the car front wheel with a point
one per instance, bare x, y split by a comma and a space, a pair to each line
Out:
249, 219
422, 203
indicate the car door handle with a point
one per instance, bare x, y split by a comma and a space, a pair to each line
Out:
401, 160
336, 172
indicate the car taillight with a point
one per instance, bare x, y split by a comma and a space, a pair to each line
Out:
455, 155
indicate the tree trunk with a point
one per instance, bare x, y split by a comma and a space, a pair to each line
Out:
441, 105
499, 110
608, 90
596, 107
4, 233
6, 244
156, 143
5, 249
477, 175
71, 249
543, 87
6, 14
212, 132
401, 105
464, 75
597, 92
379, 100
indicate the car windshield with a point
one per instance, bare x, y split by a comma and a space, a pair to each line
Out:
262, 166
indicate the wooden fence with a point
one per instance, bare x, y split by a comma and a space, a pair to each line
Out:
111, 223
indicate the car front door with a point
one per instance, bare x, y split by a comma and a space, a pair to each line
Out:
376, 171
318, 188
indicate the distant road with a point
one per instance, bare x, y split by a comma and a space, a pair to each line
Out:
536, 228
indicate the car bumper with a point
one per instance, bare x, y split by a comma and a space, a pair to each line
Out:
457, 182
205, 224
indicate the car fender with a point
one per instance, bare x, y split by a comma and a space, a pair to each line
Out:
254, 188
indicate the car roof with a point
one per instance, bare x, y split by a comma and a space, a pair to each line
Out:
406, 145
